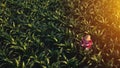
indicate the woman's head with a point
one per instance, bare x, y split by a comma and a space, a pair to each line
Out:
87, 37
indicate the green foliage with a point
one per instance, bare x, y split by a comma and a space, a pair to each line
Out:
47, 33
33, 34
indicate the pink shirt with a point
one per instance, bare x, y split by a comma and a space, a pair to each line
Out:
87, 44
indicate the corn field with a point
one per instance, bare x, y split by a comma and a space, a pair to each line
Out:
47, 33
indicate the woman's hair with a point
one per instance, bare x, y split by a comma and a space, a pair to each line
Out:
87, 37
